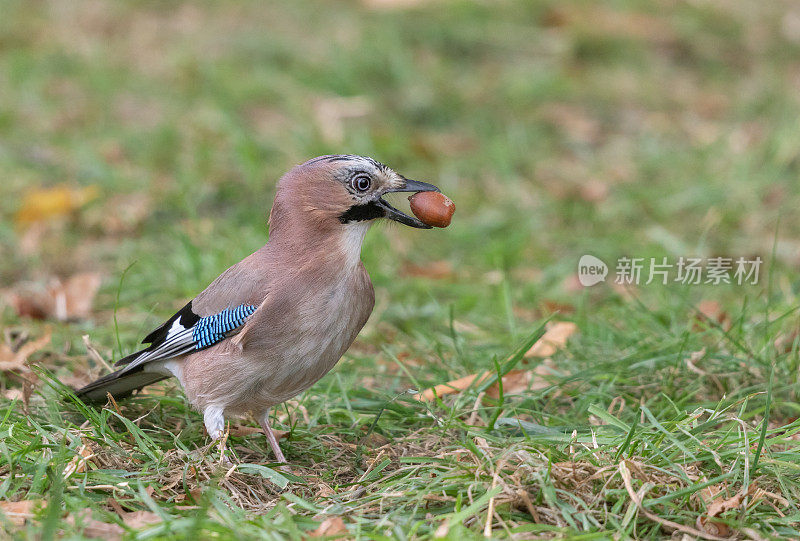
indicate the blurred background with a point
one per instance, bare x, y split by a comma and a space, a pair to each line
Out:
148, 136
140, 143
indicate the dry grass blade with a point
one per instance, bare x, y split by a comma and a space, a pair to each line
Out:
94, 354
625, 473
79, 461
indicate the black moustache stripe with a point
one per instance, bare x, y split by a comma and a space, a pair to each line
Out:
360, 213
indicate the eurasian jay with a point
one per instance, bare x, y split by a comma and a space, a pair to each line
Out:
274, 323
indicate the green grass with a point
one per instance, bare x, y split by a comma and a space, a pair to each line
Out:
558, 128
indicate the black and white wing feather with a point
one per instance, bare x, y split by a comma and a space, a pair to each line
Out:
186, 332
183, 333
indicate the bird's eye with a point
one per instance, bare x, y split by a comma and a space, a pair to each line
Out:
361, 183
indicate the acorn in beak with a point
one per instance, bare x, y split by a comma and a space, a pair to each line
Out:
392, 213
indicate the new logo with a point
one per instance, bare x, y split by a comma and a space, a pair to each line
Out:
591, 270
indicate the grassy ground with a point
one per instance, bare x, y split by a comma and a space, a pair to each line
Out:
645, 129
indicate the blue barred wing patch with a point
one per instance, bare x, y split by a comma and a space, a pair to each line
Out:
187, 332
211, 329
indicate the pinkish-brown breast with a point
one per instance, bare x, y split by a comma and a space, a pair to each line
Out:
298, 334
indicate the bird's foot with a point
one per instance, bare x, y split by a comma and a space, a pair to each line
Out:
273, 443
227, 458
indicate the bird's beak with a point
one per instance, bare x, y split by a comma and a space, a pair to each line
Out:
408, 186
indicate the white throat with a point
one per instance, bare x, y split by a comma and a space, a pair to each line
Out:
352, 239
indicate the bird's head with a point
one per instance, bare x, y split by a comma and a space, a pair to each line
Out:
333, 192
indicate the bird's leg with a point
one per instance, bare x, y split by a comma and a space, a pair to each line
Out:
273, 441
214, 419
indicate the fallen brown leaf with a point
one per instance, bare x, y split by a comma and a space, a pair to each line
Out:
719, 506
140, 519
625, 468
442, 530
19, 512
74, 297
551, 307
244, 431
62, 300
785, 341
520, 381
46, 203
95, 528
436, 270
78, 462
134, 519
194, 495
15, 360
554, 338
454, 386
461, 327
600, 20
515, 381
712, 311
332, 526
14, 394
716, 505
713, 527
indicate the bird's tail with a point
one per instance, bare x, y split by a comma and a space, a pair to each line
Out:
119, 384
